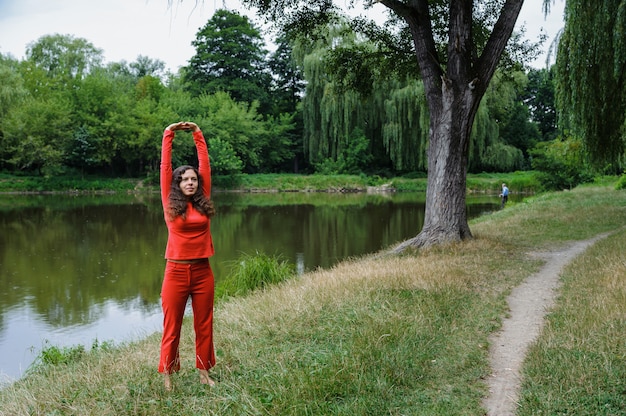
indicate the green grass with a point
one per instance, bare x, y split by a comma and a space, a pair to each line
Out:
293, 182
385, 335
518, 182
254, 271
39, 184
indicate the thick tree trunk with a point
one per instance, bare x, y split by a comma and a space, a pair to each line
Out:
445, 219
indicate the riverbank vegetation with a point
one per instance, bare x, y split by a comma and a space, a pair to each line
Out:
384, 334
521, 182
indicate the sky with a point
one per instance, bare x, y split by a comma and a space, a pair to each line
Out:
125, 29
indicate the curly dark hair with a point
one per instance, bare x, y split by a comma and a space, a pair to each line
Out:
178, 200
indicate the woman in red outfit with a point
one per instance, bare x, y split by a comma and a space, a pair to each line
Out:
185, 194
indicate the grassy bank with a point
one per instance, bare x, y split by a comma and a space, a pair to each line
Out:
405, 335
517, 181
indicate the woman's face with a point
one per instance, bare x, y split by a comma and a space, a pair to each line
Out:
189, 182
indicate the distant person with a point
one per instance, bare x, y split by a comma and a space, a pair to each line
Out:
185, 194
504, 195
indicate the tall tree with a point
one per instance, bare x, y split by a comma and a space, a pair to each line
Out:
230, 57
539, 96
474, 36
146, 66
64, 56
591, 75
288, 87
287, 79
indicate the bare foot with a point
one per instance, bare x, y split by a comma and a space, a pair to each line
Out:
167, 381
205, 379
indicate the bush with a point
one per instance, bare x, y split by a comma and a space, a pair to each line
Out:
621, 182
251, 272
561, 164
352, 160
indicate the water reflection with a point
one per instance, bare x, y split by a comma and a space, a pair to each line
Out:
74, 269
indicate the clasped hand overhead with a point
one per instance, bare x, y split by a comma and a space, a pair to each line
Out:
184, 126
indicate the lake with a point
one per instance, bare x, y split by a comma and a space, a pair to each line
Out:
75, 269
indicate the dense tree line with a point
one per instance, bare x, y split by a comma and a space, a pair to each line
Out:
62, 110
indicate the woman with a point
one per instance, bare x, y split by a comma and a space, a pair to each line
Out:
185, 194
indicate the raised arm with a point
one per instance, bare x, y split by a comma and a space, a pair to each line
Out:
165, 175
204, 164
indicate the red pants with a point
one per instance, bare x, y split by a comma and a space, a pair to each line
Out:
179, 283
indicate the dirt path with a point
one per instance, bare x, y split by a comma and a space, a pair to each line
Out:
528, 304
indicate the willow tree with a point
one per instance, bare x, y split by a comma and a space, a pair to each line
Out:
392, 112
591, 76
332, 113
457, 45
405, 131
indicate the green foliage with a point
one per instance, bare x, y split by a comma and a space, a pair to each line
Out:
540, 96
105, 126
145, 67
64, 57
621, 182
561, 164
406, 126
53, 355
354, 159
591, 87
230, 57
396, 115
37, 146
149, 87
501, 157
12, 90
242, 137
518, 131
287, 83
62, 111
69, 182
280, 141
502, 132
255, 271
224, 159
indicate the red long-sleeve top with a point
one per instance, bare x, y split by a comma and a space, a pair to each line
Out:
188, 238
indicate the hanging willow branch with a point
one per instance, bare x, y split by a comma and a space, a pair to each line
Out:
591, 83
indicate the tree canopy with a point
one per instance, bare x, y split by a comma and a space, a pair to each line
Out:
64, 112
